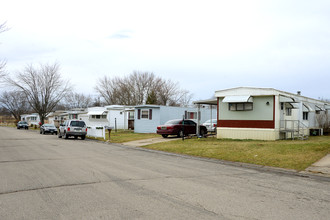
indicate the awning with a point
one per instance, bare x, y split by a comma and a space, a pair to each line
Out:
286, 99
207, 102
99, 112
305, 108
238, 99
294, 105
319, 108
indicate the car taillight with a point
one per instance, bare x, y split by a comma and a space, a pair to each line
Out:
214, 125
158, 127
68, 128
86, 129
169, 127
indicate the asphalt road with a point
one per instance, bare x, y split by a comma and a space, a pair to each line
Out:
43, 177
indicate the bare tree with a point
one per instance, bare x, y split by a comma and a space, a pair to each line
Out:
323, 120
15, 102
105, 88
78, 100
3, 28
2, 69
140, 88
43, 87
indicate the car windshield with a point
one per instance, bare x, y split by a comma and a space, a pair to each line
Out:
77, 123
22, 122
49, 125
173, 122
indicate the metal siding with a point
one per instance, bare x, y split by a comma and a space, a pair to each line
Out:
163, 114
147, 125
260, 111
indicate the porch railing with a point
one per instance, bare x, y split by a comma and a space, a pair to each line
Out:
294, 129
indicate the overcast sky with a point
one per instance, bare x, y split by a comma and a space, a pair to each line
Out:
205, 45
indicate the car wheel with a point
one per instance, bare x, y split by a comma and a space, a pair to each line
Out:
202, 132
40, 132
43, 132
164, 135
65, 136
83, 137
180, 134
18, 128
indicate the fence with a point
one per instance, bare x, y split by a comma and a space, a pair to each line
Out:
96, 131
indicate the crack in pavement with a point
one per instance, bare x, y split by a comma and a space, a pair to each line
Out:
48, 187
49, 159
98, 182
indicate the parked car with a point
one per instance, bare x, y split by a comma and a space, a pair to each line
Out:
211, 125
22, 124
48, 128
73, 128
177, 127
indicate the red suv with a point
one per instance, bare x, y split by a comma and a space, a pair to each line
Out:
180, 127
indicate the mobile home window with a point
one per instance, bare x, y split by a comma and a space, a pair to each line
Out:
305, 115
131, 115
99, 116
289, 111
190, 115
145, 114
73, 116
246, 106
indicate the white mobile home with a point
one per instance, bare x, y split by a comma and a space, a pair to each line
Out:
267, 114
120, 116
115, 116
95, 117
56, 117
148, 117
31, 119
70, 114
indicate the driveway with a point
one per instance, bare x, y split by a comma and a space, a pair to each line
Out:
43, 177
321, 167
144, 142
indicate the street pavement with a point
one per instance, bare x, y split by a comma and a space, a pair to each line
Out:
44, 177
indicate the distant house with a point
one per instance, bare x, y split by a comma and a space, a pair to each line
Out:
116, 116
31, 119
148, 117
120, 116
71, 114
95, 116
268, 114
56, 118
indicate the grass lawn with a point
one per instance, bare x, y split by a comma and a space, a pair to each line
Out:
296, 154
122, 136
